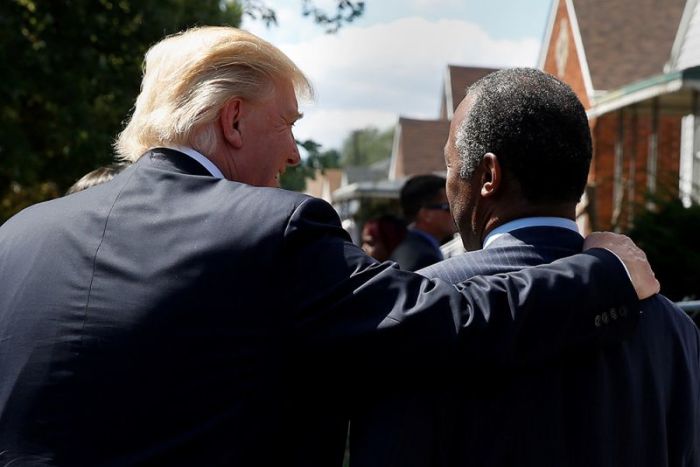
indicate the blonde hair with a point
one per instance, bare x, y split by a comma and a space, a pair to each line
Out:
189, 76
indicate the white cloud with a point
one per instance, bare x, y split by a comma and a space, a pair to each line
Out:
363, 75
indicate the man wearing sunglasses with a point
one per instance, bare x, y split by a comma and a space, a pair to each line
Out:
425, 206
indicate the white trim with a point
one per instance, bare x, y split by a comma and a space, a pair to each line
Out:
612, 103
688, 12
395, 151
685, 172
580, 52
449, 110
548, 34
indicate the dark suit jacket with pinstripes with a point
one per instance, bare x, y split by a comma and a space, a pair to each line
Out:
635, 404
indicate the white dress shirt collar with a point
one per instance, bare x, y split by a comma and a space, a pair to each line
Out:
529, 222
209, 165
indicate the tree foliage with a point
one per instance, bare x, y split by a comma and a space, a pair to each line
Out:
367, 146
71, 73
669, 236
346, 11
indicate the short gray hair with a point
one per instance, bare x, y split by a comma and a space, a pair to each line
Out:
536, 126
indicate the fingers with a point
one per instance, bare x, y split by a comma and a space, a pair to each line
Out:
634, 259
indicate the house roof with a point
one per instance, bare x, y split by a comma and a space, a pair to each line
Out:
457, 79
324, 183
674, 90
418, 147
388, 189
371, 173
626, 40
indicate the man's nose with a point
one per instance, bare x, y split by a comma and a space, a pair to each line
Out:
295, 157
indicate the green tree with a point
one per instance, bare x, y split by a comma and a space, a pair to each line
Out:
366, 146
345, 11
71, 73
669, 236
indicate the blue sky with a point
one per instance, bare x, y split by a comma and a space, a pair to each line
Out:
503, 19
392, 61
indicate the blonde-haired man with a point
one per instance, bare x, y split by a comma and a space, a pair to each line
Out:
188, 312
225, 93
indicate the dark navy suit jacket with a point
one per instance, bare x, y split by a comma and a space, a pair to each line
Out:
416, 252
635, 404
171, 318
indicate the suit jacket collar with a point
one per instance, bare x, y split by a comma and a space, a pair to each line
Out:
559, 238
533, 221
174, 161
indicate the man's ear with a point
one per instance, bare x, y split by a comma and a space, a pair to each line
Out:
229, 121
492, 175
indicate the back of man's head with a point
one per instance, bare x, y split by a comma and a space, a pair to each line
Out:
97, 177
538, 129
189, 76
419, 192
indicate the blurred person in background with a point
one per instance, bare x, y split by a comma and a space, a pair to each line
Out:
381, 236
426, 210
97, 177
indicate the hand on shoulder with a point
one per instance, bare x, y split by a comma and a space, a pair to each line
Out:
634, 259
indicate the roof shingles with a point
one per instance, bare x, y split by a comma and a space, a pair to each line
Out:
626, 40
421, 146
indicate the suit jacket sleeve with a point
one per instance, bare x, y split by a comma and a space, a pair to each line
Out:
370, 316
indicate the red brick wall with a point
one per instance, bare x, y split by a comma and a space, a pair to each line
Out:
573, 74
636, 147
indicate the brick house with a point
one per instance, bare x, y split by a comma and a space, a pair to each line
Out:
633, 64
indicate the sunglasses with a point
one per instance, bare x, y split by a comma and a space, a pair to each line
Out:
440, 206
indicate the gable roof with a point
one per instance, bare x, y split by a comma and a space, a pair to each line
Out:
366, 173
457, 79
626, 40
418, 147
